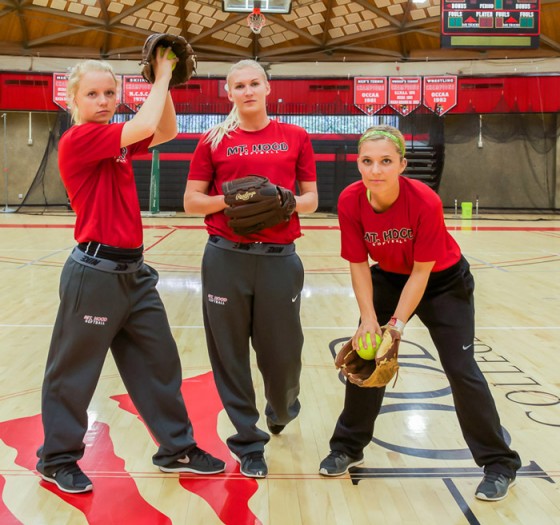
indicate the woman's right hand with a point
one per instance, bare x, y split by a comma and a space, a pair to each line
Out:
163, 66
370, 326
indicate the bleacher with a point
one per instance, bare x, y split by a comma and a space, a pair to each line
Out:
425, 163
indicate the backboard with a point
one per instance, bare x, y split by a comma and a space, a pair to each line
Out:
277, 7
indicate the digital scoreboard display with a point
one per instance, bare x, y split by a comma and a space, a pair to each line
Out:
499, 24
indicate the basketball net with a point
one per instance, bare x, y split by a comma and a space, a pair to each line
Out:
256, 20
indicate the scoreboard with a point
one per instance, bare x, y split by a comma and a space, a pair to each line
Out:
494, 24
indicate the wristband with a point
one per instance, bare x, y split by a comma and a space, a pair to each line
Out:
397, 324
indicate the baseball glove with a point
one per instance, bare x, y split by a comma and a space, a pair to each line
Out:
371, 373
186, 59
255, 204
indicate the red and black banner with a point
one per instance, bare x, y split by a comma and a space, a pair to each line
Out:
135, 91
60, 83
370, 94
405, 94
440, 93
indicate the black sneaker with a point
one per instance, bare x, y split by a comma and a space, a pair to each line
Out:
273, 427
253, 464
196, 461
68, 478
338, 463
494, 486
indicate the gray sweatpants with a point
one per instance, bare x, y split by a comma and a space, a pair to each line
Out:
252, 293
120, 309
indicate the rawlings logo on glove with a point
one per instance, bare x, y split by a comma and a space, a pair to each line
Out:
255, 204
245, 197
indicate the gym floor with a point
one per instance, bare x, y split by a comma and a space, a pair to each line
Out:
417, 470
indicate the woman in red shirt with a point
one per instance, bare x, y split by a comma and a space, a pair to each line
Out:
252, 284
108, 295
419, 270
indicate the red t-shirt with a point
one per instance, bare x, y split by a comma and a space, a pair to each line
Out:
282, 152
99, 180
412, 229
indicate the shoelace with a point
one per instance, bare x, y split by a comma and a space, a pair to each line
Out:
200, 454
71, 469
493, 476
255, 455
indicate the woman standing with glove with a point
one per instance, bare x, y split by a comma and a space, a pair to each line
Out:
252, 282
108, 295
419, 269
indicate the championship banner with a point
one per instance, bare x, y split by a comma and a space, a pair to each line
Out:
135, 91
405, 94
440, 93
370, 94
60, 83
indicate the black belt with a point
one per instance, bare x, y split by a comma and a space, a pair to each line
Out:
256, 248
103, 251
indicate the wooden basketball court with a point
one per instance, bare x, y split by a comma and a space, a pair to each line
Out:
416, 471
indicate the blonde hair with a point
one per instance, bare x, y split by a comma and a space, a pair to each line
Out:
384, 132
231, 123
76, 74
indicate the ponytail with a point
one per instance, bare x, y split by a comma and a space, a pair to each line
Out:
219, 131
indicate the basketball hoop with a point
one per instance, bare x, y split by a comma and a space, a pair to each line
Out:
256, 20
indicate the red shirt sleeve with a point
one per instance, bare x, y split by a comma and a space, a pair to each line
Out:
353, 247
202, 167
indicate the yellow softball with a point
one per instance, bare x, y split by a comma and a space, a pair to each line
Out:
170, 56
368, 351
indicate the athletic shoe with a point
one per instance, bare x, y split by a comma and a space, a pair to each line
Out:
253, 464
196, 461
67, 477
338, 463
273, 427
494, 486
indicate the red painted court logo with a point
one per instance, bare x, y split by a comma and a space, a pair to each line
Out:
227, 494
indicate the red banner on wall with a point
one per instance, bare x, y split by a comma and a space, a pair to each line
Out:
370, 94
60, 84
405, 94
135, 91
440, 93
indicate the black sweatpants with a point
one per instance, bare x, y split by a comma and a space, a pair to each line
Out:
252, 293
120, 309
447, 310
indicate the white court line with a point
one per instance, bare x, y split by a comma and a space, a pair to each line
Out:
30, 263
485, 263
